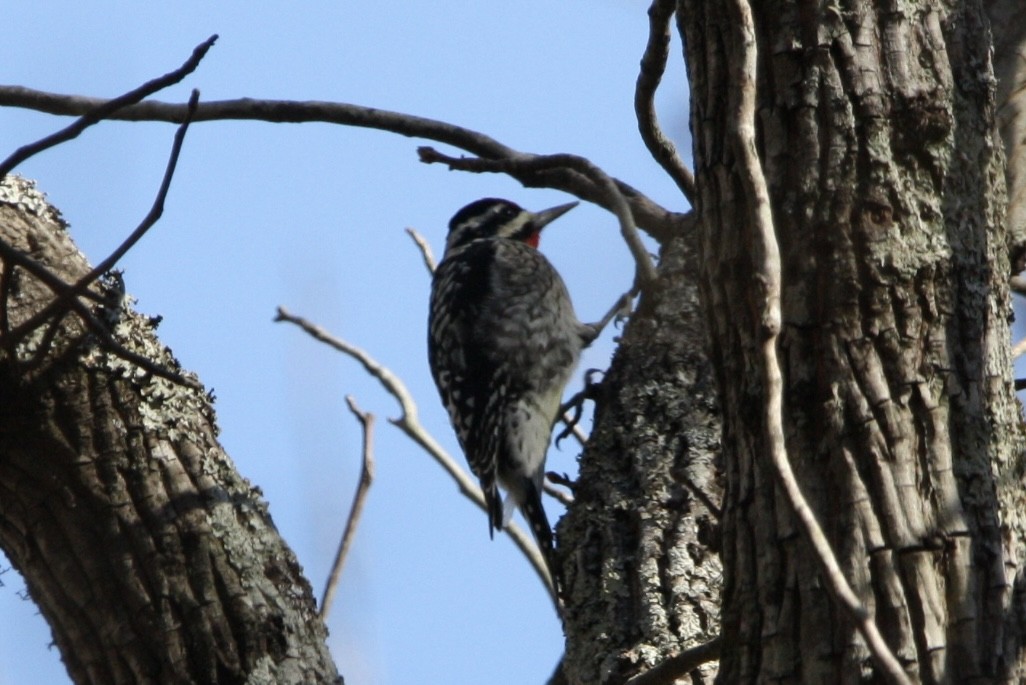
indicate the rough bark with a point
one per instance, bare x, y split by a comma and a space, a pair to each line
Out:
151, 559
1008, 22
639, 542
886, 179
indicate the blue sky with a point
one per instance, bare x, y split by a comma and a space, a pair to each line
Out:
311, 217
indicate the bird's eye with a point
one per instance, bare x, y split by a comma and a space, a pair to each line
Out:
508, 212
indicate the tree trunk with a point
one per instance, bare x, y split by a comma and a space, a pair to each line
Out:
876, 134
1008, 22
639, 542
152, 560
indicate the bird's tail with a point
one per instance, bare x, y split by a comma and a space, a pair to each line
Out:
534, 512
494, 504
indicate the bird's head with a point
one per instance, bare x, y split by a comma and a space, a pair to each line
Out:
494, 218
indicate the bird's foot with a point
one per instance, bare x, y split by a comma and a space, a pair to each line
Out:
590, 391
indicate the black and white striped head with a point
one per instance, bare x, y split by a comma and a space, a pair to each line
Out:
495, 218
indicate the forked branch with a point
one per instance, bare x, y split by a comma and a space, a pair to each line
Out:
612, 198
66, 295
106, 109
409, 423
659, 222
366, 420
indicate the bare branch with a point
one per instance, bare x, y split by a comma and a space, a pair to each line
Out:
653, 65
62, 302
366, 420
1018, 285
1019, 349
659, 222
409, 423
612, 198
669, 671
561, 496
767, 258
575, 428
104, 109
425, 249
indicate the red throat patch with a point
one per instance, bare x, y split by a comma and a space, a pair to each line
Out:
533, 239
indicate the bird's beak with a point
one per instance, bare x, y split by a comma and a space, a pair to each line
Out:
547, 216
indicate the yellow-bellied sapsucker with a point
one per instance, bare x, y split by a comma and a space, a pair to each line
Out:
503, 340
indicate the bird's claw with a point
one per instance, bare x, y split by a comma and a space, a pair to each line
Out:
576, 403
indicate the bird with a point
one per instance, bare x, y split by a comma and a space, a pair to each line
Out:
503, 341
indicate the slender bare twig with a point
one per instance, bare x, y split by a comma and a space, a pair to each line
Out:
61, 302
1018, 285
105, 109
11, 256
55, 283
425, 249
1019, 349
612, 198
659, 222
561, 496
742, 129
409, 423
575, 428
366, 420
669, 671
653, 65
700, 495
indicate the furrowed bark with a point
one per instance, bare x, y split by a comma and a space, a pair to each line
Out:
150, 557
875, 129
640, 540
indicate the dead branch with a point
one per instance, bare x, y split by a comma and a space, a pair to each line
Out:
107, 108
653, 65
60, 303
1018, 285
425, 249
656, 220
409, 423
66, 296
366, 420
612, 198
676, 667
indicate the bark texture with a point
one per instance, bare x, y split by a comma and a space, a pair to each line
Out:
639, 542
152, 560
886, 177
1008, 23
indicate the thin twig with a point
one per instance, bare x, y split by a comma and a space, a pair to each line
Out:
55, 283
612, 198
561, 496
1019, 349
366, 420
105, 109
1018, 285
669, 671
61, 302
742, 128
409, 423
653, 65
110, 344
425, 249
659, 222
701, 495
575, 428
